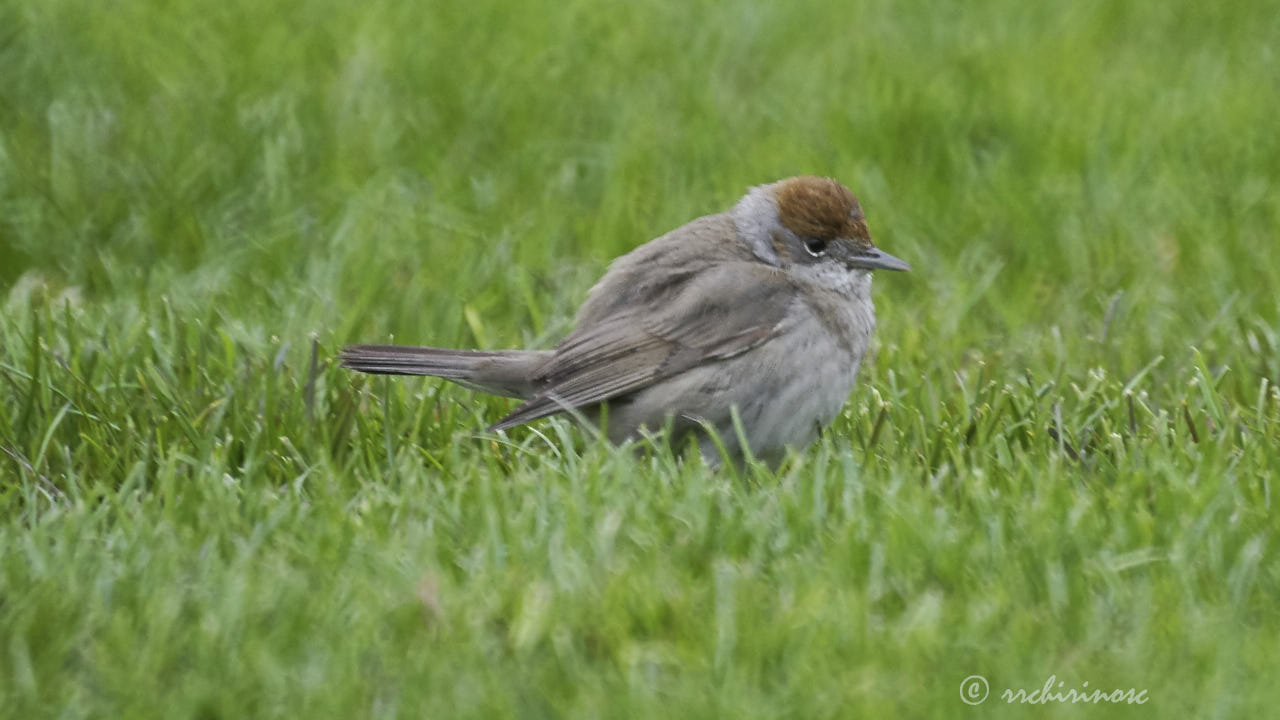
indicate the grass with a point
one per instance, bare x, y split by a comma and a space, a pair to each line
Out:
1059, 462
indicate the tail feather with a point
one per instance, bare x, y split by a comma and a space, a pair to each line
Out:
501, 372
406, 360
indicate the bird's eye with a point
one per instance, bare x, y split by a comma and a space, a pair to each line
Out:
816, 247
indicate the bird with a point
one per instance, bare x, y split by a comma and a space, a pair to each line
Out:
744, 329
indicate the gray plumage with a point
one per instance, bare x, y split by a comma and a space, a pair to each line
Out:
735, 310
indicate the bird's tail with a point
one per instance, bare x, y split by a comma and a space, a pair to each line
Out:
500, 372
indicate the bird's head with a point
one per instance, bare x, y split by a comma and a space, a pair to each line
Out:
810, 221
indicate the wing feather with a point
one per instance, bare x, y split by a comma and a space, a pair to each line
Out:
722, 311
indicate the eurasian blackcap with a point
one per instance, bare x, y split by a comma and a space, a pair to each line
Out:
764, 310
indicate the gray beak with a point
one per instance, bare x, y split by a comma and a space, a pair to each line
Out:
877, 259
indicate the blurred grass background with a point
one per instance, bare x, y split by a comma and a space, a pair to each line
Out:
1060, 461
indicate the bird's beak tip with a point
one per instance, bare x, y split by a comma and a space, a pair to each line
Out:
882, 260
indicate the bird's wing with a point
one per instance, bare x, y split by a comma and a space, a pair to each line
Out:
719, 312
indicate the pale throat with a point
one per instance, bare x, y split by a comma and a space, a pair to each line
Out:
853, 284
